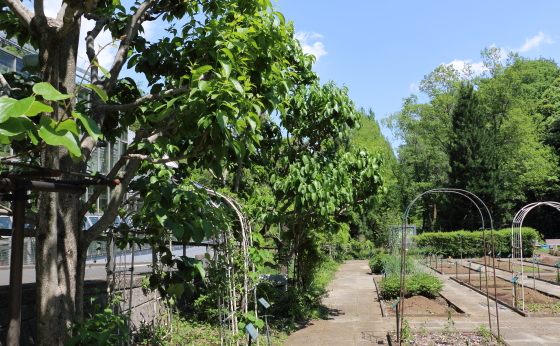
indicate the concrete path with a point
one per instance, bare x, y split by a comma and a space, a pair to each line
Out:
356, 319
355, 314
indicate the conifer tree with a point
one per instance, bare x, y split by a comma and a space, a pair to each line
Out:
472, 160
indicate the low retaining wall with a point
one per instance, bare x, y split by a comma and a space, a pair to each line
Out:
146, 306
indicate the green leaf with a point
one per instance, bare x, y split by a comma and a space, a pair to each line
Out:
200, 269
200, 71
178, 230
31, 129
38, 107
222, 118
73, 341
69, 125
64, 138
237, 85
105, 72
90, 125
228, 53
198, 235
162, 215
176, 290
10, 108
207, 226
49, 92
99, 91
12, 127
226, 66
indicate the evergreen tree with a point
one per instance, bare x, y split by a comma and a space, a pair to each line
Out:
472, 160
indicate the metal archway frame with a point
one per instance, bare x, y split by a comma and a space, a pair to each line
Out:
517, 241
479, 204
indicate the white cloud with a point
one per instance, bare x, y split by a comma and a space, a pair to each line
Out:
51, 8
310, 44
535, 42
413, 87
106, 56
467, 67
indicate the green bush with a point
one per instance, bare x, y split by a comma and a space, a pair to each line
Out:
358, 250
470, 243
391, 264
378, 262
420, 284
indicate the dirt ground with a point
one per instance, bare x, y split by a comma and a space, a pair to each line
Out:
449, 338
450, 269
549, 259
420, 305
534, 300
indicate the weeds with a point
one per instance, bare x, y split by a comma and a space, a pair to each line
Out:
485, 333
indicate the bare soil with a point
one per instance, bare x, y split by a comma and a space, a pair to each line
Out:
505, 264
449, 338
549, 259
534, 300
450, 269
420, 305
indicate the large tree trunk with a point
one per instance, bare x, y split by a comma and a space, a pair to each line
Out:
59, 273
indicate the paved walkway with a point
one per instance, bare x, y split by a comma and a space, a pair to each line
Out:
356, 315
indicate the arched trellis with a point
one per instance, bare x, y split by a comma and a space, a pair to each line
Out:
480, 206
245, 243
517, 241
229, 301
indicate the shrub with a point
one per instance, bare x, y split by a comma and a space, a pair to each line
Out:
420, 284
469, 243
358, 249
391, 264
377, 263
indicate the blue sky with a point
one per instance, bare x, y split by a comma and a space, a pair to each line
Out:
382, 49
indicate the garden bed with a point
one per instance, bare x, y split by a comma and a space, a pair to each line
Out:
536, 302
504, 264
424, 338
419, 306
422, 306
549, 279
450, 269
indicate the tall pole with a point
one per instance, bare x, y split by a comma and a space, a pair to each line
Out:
16, 267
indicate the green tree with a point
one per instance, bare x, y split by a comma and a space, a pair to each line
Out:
472, 160
208, 86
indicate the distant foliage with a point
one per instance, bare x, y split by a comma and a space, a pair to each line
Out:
449, 244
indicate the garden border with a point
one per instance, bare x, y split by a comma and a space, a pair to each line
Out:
390, 341
545, 281
520, 312
449, 302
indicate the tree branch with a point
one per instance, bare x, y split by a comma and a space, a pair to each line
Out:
112, 209
171, 159
24, 14
130, 32
146, 98
6, 89
101, 21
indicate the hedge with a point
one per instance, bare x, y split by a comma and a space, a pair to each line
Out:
449, 244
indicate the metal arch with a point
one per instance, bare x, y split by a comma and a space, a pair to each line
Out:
517, 241
472, 197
